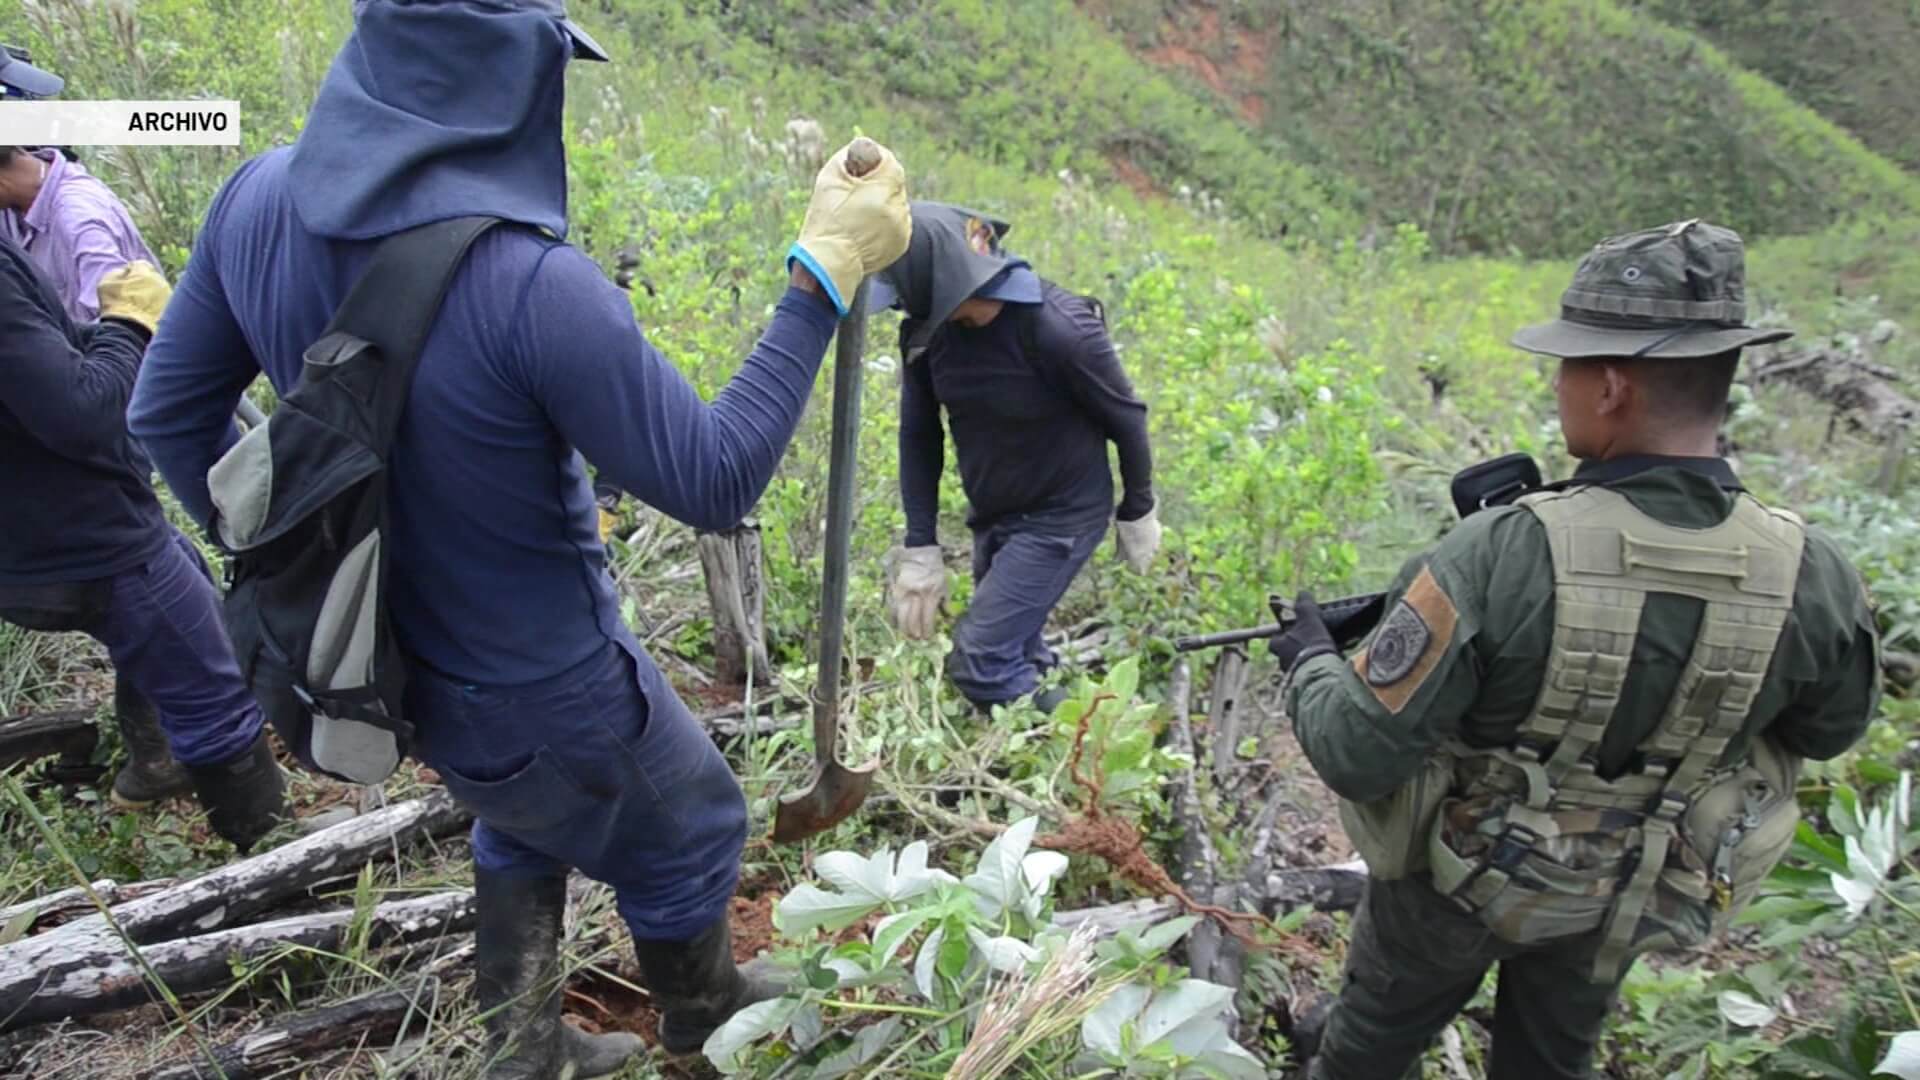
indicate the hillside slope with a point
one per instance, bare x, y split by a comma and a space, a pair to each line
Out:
1851, 62
1531, 127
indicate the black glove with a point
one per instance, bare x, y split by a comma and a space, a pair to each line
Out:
245, 795
1307, 638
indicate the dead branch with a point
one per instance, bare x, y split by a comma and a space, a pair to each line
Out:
237, 891
304, 1038
94, 975
75, 899
1855, 387
69, 732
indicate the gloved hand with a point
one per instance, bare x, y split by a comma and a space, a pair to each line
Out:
136, 293
1307, 638
245, 796
1139, 539
919, 588
855, 225
607, 499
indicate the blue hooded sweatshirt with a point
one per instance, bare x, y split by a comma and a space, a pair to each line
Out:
432, 110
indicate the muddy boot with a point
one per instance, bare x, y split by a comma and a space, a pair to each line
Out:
245, 796
517, 979
150, 773
697, 986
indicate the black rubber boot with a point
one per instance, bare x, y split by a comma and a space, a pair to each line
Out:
245, 795
1049, 698
697, 987
151, 773
517, 979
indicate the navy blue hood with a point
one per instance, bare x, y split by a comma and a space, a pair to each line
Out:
436, 109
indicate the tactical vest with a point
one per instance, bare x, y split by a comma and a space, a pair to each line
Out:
1538, 845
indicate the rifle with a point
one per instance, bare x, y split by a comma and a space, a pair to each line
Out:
1351, 618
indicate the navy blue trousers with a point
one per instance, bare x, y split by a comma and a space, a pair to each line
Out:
599, 768
162, 627
1019, 573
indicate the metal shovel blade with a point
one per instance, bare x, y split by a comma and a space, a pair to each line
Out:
836, 792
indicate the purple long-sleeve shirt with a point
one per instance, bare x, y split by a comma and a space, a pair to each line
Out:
498, 575
76, 232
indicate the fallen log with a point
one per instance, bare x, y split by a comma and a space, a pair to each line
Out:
92, 975
239, 890
1858, 389
75, 899
302, 1039
1223, 709
1195, 861
68, 732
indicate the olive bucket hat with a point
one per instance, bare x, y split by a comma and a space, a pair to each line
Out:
1677, 292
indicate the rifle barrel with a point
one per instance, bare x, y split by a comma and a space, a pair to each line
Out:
1226, 637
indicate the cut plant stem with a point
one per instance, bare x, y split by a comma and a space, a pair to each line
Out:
1880, 942
874, 1006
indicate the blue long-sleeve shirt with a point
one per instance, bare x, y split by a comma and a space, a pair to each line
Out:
1033, 398
74, 500
498, 573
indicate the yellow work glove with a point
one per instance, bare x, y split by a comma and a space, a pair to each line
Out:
607, 501
855, 225
136, 293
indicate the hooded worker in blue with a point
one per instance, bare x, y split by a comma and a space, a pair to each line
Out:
1033, 393
529, 695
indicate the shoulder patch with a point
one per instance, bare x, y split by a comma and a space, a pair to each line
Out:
1409, 644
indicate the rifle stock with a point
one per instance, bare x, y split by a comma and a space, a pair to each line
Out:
1351, 618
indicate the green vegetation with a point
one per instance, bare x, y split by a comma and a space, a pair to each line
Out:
1520, 127
1830, 57
1316, 369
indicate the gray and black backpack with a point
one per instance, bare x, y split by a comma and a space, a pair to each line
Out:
300, 507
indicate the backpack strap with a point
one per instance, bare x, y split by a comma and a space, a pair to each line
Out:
395, 300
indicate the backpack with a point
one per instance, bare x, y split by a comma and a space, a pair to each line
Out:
301, 510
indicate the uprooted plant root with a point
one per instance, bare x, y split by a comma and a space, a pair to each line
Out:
1118, 843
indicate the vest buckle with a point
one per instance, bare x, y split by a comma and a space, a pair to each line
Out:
1514, 843
1668, 806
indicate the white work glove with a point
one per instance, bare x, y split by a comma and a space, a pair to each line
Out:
855, 225
919, 587
1139, 539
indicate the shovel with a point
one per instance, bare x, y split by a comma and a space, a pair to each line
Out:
837, 790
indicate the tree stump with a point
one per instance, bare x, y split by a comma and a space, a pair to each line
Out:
736, 587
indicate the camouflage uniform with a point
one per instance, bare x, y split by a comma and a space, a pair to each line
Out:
1459, 662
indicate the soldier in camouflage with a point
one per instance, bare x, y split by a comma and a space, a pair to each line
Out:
1574, 737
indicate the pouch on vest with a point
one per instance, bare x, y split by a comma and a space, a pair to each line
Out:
300, 506
1538, 845
1391, 833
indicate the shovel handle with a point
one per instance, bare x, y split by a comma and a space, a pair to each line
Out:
849, 347
848, 361
863, 156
